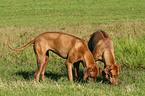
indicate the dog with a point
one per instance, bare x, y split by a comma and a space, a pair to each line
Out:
101, 46
73, 49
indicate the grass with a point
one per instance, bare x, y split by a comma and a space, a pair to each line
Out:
62, 13
22, 21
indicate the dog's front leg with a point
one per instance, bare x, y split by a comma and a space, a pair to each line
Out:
76, 69
69, 70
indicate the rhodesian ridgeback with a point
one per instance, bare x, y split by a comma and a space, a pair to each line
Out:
101, 46
73, 49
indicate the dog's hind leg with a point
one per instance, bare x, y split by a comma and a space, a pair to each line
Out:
44, 67
40, 63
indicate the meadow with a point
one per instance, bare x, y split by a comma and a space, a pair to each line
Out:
22, 21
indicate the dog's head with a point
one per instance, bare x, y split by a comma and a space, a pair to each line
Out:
113, 72
92, 72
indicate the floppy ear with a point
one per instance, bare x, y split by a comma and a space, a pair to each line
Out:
119, 67
85, 73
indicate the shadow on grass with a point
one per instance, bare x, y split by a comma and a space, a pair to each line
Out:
56, 76
25, 75
29, 75
81, 80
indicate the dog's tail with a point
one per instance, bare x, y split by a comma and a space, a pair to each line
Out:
88, 38
31, 42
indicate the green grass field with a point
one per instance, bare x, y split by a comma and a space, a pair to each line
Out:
22, 21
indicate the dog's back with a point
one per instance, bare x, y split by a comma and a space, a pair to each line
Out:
99, 37
60, 43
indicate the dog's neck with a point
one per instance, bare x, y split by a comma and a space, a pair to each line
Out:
88, 59
108, 58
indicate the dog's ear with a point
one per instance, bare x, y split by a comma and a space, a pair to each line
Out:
85, 73
119, 67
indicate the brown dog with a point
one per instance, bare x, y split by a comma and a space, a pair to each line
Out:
101, 45
73, 49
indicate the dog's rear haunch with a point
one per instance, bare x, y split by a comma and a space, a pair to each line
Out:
73, 49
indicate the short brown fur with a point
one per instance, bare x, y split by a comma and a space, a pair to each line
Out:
73, 49
101, 46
